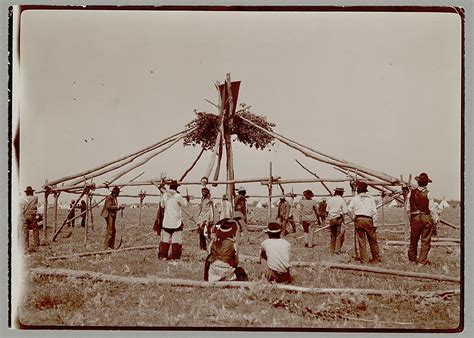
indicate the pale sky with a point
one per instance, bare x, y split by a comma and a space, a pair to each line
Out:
382, 90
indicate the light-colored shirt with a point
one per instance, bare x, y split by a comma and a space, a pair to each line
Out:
29, 207
434, 211
206, 211
225, 209
363, 205
172, 201
277, 251
336, 207
308, 210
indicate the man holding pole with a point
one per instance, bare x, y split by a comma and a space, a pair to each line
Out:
423, 218
29, 208
172, 231
109, 212
364, 210
337, 208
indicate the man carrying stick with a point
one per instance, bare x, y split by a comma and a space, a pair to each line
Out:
364, 210
337, 208
109, 212
172, 230
423, 219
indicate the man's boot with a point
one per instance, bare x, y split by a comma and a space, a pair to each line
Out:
176, 251
163, 250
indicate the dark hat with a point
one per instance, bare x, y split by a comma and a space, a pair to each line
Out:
116, 190
241, 189
339, 189
308, 193
283, 198
226, 228
174, 184
423, 178
361, 187
224, 197
29, 189
205, 189
273, 228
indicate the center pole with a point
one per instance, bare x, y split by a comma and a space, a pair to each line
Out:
270, 183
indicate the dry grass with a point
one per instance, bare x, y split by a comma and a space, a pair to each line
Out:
67, 301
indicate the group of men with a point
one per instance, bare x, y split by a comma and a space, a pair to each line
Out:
362, 210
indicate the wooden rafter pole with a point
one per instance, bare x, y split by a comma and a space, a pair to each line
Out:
312, 173
56, 196
87, 219
210, 166
270, 187
139, 152
91, 214
45, 212
192, 165
219, 158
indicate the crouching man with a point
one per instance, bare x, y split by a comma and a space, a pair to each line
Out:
222, 263
275, 255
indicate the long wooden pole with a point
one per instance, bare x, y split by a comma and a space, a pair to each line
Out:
139, 152
91, 214
66, 220
192, 165
45, 213
312, 173
228, 139
56, 196
87, 220
142, 197
97, 276
270, 187
219, 159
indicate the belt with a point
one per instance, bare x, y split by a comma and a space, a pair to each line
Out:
418, 213
363, 216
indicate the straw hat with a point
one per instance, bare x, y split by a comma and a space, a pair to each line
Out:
273, 228
226, 228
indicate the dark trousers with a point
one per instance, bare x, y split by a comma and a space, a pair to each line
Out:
337, 234
366, 232
279, 277
421, 227
83, 221
109, 240
291, 221
27, 226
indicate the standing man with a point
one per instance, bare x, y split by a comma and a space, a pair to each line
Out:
109, 212
205, 218
71, 214
291, 204
322, 213
240, 212
82, 207
172, 228
364, 210
283, 215
337, 208
29, 209
308, 218
423, 219
225, 209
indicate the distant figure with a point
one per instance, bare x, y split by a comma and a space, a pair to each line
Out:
82, 207
109, 212
29, 208
308, 211
322, 213
275, 255
283, 214
71, 214
240, 213
337, 208
172, 228
364, 210
423, 220
205, 218
223, 260
225, 209
291, 204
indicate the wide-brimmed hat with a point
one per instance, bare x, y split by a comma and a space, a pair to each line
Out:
205, 189
29, 189
116, 190
339, 189
273, 227
226, 228
361, 187
423, 178
242, 189
173, 184
308, 193
224, 197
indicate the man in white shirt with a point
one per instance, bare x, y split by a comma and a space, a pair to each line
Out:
172, 228
275, 255
364, 211
423, 219
308, 218
225, 209
336, 209
205, 218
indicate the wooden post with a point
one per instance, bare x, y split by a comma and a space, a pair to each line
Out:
142, 197
383, 209
45, 212
91, 215
270, 187
228, 140
87, 197
56, 197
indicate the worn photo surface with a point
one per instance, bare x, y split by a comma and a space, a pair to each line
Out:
292, 170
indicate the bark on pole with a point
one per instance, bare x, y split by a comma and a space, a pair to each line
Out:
45, 212
91, 215
87, 220
270, 187
228, 140
219, 159
56, 196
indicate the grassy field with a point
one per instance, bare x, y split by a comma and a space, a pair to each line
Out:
55, 301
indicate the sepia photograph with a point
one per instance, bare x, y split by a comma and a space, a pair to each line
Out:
262, 169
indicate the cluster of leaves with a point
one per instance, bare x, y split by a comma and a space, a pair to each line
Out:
207, 127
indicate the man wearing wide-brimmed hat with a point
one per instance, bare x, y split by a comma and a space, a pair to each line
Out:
205, 218
364, 211
308, 216
225, 209
240, 213
109, 212
172, 228
222, 262
283, 214
29, 209
275, 255
337, 208
423, 219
